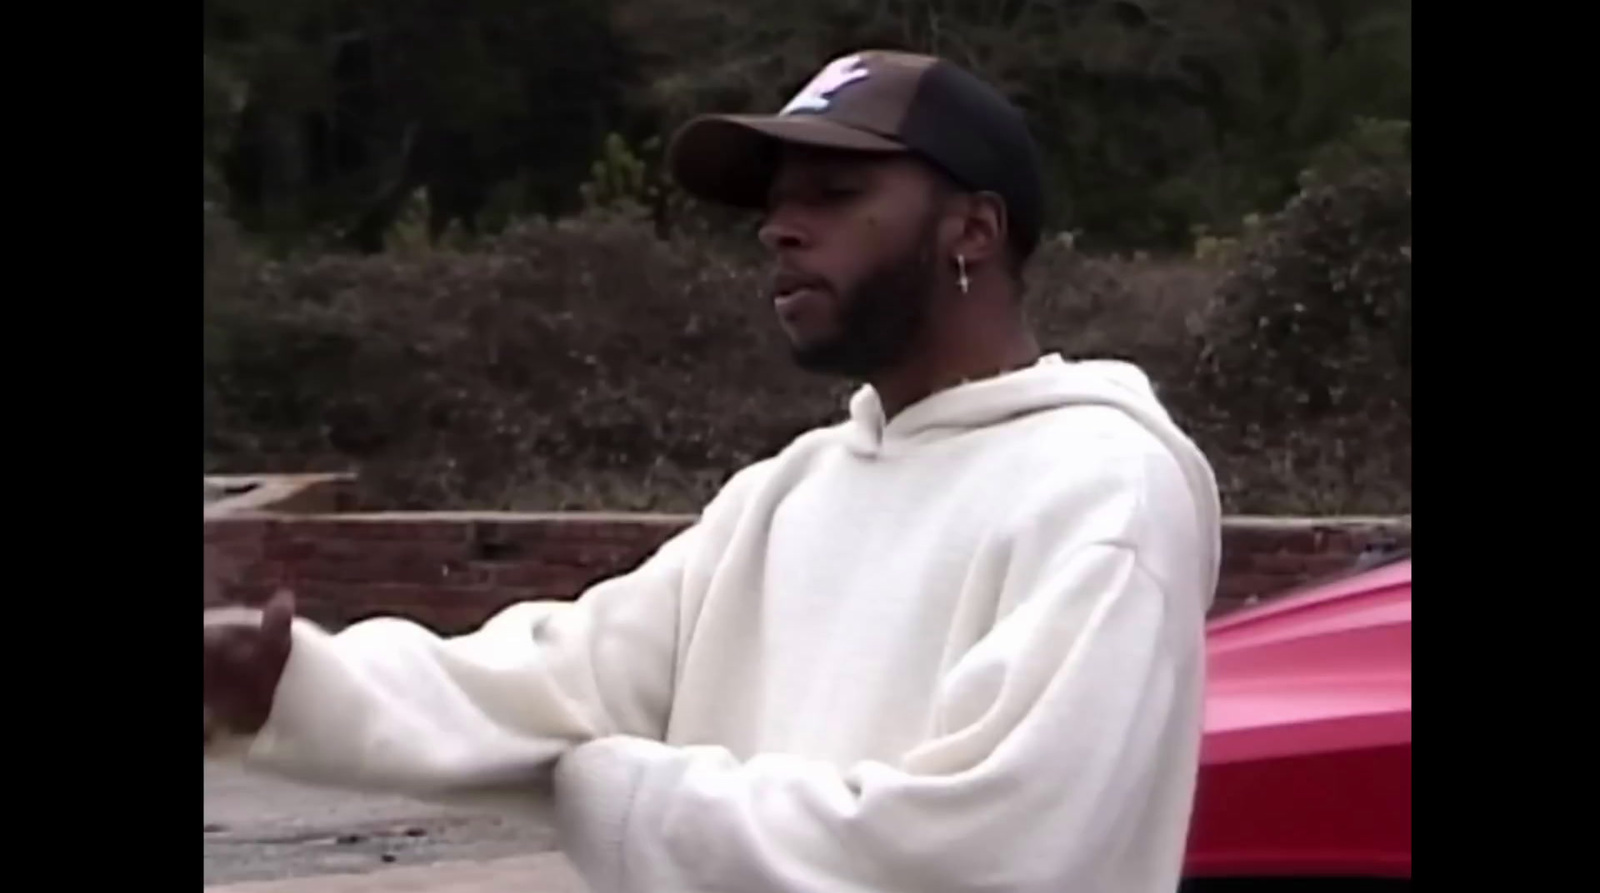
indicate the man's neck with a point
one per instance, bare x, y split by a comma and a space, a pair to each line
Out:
953, 355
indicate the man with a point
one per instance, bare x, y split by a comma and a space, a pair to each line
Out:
954, 643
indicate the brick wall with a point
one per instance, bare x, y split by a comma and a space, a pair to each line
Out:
451, 570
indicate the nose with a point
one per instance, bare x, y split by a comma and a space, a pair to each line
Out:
780, 232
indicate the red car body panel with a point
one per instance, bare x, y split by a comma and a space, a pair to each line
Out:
1306, 765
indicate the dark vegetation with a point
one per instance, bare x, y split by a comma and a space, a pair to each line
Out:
439, 249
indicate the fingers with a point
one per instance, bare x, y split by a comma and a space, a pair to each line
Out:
244, 661
277, 616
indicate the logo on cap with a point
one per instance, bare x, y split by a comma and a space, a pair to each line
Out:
818, 95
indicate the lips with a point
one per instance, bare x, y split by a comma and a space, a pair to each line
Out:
789, 284
793, 291
791, 304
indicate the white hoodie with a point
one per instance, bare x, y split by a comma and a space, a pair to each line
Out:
959, 651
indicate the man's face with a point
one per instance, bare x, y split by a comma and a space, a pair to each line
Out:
856, 242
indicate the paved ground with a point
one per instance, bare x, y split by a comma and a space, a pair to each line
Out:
263, 836
548, 873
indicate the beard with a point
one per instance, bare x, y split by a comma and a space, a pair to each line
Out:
880, 317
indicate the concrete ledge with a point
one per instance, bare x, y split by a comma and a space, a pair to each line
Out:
236, 494
1290, 522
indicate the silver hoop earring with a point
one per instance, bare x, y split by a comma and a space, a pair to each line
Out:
961, 274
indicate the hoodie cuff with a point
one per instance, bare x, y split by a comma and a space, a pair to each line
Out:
302, 729
595, 786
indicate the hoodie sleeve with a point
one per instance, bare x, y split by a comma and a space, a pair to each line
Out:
387, 705
1051, 738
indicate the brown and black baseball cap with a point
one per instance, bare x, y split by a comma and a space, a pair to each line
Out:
875, 102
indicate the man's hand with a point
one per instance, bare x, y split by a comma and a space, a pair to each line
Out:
244, 661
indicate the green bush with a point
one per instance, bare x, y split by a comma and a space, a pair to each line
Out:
565, 365
587, 364
1318, 309
1311, 339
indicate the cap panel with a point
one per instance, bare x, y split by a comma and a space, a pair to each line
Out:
981, 140
872, 91
731, 159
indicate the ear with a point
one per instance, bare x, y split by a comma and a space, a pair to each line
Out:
981, 233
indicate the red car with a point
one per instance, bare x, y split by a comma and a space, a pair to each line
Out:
1305, 781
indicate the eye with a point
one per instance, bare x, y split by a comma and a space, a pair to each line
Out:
818, 194
838, 193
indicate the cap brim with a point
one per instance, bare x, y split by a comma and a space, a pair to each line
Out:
731, 159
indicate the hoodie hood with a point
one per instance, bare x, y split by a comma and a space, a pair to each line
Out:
1050, 384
